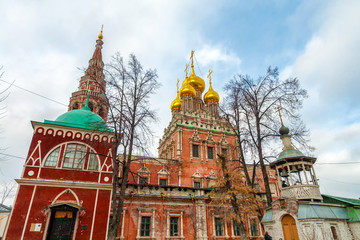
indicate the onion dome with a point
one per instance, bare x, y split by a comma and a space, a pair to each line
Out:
211, 95
195, 81
186, 89
81, 118
176, 104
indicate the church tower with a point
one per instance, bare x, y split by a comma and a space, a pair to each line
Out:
93, 80
65, 187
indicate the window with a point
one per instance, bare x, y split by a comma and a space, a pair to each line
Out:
195, 150
74, 155
51, 160
197, 185
174, 226
143, 180
93, 162
219, 228
236, 229
333, 232
163, 182
210, 152
145, 226
254, 228
224, 151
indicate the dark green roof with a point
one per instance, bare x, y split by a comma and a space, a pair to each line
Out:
290, 153
81, 118
308, 211
346, 201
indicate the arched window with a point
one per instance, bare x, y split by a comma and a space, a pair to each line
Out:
74, 155
51, 160
93, 161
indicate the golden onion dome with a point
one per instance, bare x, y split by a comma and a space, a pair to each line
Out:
211, 95
187, 89
195, 81
176, 104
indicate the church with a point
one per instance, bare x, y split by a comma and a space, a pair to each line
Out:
65, 187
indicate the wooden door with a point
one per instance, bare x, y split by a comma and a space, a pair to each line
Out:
62, 223
289, 228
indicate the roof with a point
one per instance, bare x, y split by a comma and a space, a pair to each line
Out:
268, 216
4, 208
307, 211
81, 118
290, 153
341, 200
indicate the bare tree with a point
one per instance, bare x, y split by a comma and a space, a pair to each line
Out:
7, 191
251, 107
129, 87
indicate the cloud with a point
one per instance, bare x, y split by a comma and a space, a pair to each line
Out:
328, 69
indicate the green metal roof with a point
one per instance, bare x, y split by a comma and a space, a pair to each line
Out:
268, 216
81, 118
307, 211
4, 208
341, 200
290, 153
354, 214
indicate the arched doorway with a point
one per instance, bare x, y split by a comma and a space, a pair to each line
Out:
289, 228
62, 221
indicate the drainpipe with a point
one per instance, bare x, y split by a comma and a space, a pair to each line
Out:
207, 218
132, 198
162, 216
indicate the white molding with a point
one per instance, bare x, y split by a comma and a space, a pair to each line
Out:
28, 212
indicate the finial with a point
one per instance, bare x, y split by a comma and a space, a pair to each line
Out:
278, 110
186, 69
100, 35
177, 84
192, 57
87, 100
209, 76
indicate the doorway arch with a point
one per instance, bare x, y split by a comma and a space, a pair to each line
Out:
62, 221
289, 228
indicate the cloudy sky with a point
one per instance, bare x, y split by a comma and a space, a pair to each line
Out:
43, 43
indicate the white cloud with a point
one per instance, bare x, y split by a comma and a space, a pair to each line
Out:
328, 69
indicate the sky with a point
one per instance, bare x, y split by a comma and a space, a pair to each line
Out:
43, 45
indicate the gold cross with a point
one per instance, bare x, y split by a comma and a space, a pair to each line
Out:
209, 75
192, 55
278, 110
186, 69
177, 84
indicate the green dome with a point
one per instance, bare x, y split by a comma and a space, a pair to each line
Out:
81, 118
290, 153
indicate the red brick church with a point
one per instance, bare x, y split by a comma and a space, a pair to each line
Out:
65, 187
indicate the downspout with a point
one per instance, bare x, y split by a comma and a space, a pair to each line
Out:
131, 201
207, 218
162, 216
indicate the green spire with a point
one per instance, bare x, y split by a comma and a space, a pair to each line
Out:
87, 102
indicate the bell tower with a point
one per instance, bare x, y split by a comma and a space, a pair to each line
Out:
93, 80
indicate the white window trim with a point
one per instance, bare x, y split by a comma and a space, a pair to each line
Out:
224, 223
176, 213
152, 219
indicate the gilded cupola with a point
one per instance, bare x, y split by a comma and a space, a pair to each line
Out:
195, 81
176, 104
211, 95
186, 89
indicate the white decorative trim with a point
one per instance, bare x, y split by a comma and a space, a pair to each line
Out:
67, 191
28, 212
94, 213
